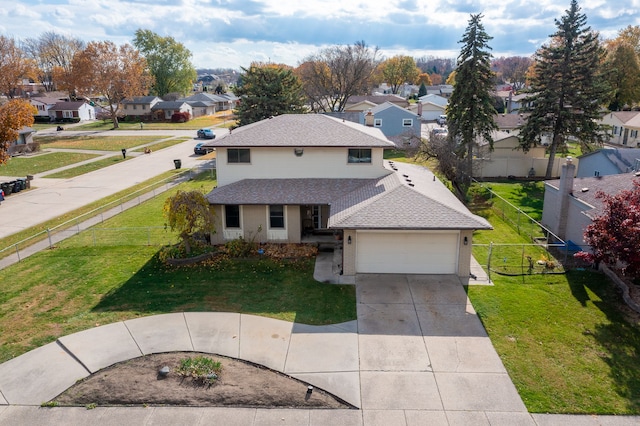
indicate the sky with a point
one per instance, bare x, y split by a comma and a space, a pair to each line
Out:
233, 33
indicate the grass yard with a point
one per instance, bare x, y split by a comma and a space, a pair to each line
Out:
528, 196
99, 143
89, 167
29, 165
221, 118
563, 338
72, 287
164, 144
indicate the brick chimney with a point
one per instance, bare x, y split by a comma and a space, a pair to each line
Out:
565, 193
368, 119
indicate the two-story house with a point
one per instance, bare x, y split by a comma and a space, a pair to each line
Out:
401, 126
139, 107
290, 175
623, 128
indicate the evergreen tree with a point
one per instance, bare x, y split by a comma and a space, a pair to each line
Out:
470, 113
567, 88
268, 90
422, 91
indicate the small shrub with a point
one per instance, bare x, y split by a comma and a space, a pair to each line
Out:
200, 368
240, 247
50, 404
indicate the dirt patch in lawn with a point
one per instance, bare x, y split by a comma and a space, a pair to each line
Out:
239, 384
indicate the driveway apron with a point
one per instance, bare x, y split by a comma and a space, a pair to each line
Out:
423, 350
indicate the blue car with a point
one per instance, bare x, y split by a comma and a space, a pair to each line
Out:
206, 134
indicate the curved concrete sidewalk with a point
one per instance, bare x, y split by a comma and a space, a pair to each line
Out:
417, 355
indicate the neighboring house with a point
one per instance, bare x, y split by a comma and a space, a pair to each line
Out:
444, 90
165, 109
377, 100
570, 204
430, 107
207, 103
140, 107
360, 106
609, 161
510, 123
72, 111
623, 128
399, 125
289, 176
43, 105
24, 143
507, 159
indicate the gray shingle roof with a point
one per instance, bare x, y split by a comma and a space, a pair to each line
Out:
383, 203
586, 189
624, 159
305, 130
140, 100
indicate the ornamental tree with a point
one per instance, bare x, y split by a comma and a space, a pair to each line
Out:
14, 115
614, 236
189, 213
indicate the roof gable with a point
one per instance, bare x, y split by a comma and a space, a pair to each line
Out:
304, 130
388, 106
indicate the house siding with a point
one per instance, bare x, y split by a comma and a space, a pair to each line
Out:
283, 163
254, 220
576, 222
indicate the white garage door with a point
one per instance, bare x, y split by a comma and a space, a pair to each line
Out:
407, 253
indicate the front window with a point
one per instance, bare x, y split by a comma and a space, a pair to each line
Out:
359, 155
276, 216
377, 122
238, 155
407, 122
232, 216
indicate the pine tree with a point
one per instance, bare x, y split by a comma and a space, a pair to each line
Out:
567, 88
470, 114
268, 90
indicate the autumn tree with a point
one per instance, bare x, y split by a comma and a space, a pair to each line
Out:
513, 70
624, 76
116, 73
169, 62
268, 90
336, 73
53, 54
614, 236
424, 78
471, 111
14, 115
14, 66
568, 88
189, 213
399, 70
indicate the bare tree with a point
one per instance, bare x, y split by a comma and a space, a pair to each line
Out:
52, 51
336, 73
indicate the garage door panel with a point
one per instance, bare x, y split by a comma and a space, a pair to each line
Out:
409, 253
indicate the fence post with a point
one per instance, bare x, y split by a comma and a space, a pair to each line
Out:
489, 261
18, 252
49, 236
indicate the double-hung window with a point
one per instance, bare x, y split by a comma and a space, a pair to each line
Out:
359, 155
407, 122
276, 216
232, 216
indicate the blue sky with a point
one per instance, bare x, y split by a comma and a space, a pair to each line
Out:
233, 33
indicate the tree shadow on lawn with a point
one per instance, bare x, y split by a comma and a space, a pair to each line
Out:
530, 198
283, 289
618, 337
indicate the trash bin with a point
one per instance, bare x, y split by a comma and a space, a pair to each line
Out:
15, 186
22, 182
177, 163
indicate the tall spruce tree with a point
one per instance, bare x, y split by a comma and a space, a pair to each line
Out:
567, 90
471, 111
268, 90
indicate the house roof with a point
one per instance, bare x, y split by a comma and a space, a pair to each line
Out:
510, 121
300, 130
586, 189
140, 100
434, 99
376, 99
388, 105
387, 202
168, 105
626, 116
46, 100
623, 159
67, 106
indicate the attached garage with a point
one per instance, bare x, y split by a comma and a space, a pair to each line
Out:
409, 252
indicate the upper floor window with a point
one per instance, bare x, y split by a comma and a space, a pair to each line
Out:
377, 122
144, 107
276, 216
634, 133
135, 107
615, 130
359, 155
238, 155
407, 122
232, 216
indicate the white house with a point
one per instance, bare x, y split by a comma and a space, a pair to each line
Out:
623, 128
293, 175
430, 107
72, 111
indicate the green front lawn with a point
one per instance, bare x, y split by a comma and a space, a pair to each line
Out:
221, 118
30, 165
99, 143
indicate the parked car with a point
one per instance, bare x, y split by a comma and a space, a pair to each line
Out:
206, 134
441, 120
200, 149
440, 132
